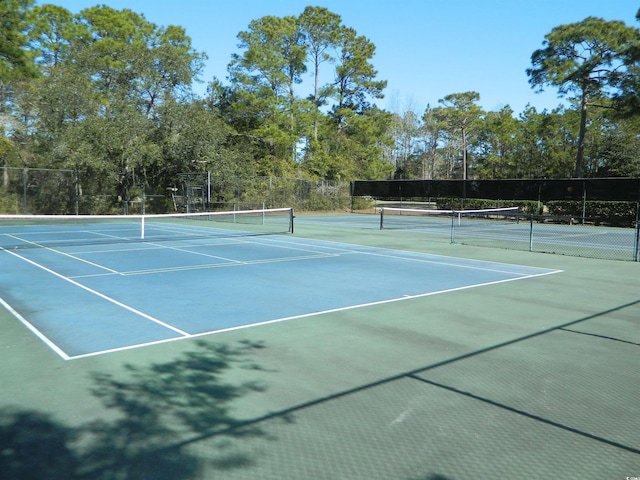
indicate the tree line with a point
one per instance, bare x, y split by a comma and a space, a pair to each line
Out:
594, 64
108, 93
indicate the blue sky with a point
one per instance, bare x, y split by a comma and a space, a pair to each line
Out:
425, 49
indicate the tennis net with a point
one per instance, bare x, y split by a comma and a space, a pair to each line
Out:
446, 222
23, 231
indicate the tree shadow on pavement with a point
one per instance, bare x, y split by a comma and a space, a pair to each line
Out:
34, 446
155, 413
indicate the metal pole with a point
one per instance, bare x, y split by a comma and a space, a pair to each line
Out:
126, 197
142, 199
637, 239
238, 191
188, 192
25, 175
351, 183
453, 225
531, 232
291, 217
584, 202
77, 191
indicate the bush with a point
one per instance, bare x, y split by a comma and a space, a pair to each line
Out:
9, 203
363, 203
598, 212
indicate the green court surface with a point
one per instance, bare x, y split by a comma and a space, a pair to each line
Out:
532, 379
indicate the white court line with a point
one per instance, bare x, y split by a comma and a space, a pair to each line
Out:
338, 248
63, 254
297, 246
318, 255
315, 254
201, 254
456, 265
157, 245
98, 294
34, 330
235, 263
313, 314
429, 258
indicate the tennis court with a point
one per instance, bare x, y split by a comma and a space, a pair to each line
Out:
337, 351
504, 228
82, 298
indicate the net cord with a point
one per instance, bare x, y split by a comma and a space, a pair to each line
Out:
142, 218
450, 212
453, 213
264, 211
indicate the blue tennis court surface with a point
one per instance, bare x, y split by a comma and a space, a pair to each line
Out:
86, 300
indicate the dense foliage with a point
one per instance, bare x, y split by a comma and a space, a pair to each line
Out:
108, 94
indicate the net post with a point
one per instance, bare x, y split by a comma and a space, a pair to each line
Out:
291, 217
142, 227
381, 217
531, 232
453, 226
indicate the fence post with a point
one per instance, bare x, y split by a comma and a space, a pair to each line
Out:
143, 199
25, 181
76, 181
636, 242
531, 232
351, 186
453, 226
584, 201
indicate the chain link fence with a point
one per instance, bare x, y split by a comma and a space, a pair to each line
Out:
38, 191
592, 237
49, 191
575, 224
595, 218
208, 192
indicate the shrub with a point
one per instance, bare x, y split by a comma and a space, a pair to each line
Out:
613, 213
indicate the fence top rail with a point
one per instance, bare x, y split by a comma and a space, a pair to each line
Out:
36, 169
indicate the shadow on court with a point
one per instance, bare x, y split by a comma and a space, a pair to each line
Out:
35, 446
522, 380
158, 411
174, 420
